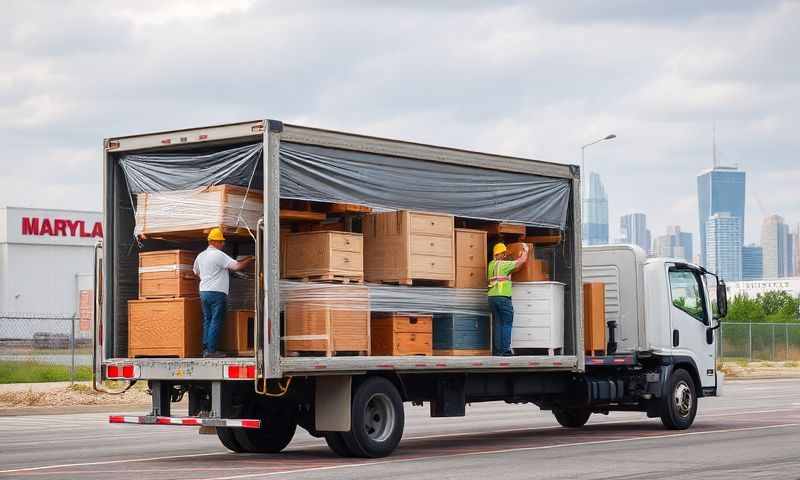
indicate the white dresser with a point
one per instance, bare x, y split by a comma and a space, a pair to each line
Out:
538, 316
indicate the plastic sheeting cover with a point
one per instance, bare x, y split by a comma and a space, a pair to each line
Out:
157, 172
329, 175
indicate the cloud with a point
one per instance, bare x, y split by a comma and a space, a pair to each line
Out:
536, 81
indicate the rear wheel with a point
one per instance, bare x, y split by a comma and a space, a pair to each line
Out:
572, 417
679, 405
277, 430
337, 444
227, 436
377, 419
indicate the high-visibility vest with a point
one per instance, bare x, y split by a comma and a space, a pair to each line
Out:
494, 280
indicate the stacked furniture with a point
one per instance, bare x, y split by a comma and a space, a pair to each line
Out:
324, 255
327, 319
538, 316
406, 247
461, 334
166, 320
402, 334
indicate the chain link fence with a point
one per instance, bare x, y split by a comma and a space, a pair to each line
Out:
776, 342
58, 346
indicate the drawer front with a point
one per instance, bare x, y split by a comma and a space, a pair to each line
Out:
542, 291
470, 249
532, 306
347, 243
533, 320
431, 267
471, 323
431, 245
470, 277
407, 323
474, 340
441, 225
531, 337
352, 261
413, 344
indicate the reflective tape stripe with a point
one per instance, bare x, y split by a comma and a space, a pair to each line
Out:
188, 421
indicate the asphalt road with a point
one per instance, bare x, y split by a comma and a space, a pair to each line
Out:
752, 432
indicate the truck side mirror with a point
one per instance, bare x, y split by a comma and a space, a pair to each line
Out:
722, 299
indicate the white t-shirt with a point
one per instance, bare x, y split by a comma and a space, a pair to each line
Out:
212, 267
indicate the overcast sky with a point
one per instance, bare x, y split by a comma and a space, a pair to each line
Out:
534, 79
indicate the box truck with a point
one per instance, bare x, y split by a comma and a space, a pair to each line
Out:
660, 313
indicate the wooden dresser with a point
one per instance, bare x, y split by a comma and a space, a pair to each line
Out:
402, 247
324, 255
401, 334
461, 334
471, 262
538, 316
167, 327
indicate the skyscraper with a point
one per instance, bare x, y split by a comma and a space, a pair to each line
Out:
752, 262
723, 245
674, 244
720, 189
595, 211
776, 242
796, 236
633, 230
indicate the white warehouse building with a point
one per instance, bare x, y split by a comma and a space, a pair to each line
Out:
46, 269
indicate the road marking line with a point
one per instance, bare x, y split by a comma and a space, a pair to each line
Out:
494, 452
417, 437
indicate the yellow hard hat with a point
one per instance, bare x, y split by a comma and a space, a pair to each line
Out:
216, 235
499, 248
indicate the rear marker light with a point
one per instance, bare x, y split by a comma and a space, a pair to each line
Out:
127, 371
113, 145
202, 137
166, 141
240, 371
112, 371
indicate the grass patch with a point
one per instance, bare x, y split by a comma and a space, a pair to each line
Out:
32, 372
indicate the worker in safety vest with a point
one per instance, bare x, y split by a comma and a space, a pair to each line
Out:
212, 266
499, 276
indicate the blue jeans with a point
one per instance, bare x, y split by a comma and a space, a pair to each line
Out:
502, 321
214, 305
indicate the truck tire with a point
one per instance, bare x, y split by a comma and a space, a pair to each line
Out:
377, 419
277, 430
572, 417
679, 404
227, 437
337, 444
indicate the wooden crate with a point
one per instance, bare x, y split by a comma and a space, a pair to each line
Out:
594, 318
167, 274
191, 214
169, 327
471, 258
236, 337
461, 334
327, 320
534, 270
400, 334
405, 247
325, 256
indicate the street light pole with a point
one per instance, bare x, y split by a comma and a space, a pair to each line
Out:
583, 151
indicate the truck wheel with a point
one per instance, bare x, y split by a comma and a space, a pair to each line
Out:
227, 437
377, 419
277, 430
679, 405
572, 417
337, 444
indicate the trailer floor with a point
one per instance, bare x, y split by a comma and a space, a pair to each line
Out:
749, 433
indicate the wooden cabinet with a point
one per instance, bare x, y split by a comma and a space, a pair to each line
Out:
594, 318
461, 334
533, 270
471, 261
404, 247
324, 256
327, 319
401, 334
167, 273
236, 337
538, 316
169, 327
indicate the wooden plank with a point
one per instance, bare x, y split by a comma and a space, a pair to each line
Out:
301, 216
348, 208
502, 228
543, 240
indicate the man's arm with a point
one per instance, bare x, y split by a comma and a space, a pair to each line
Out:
523, 257
237, 266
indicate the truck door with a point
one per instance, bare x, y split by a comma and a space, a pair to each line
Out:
689, 320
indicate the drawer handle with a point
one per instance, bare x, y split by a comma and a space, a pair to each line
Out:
433, 263
431, 244
346, 260
471, 274
347, 242
433, 223
471, 257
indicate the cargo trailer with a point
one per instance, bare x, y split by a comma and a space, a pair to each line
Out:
660, 314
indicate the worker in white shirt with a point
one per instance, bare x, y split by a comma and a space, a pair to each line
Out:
212, 266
